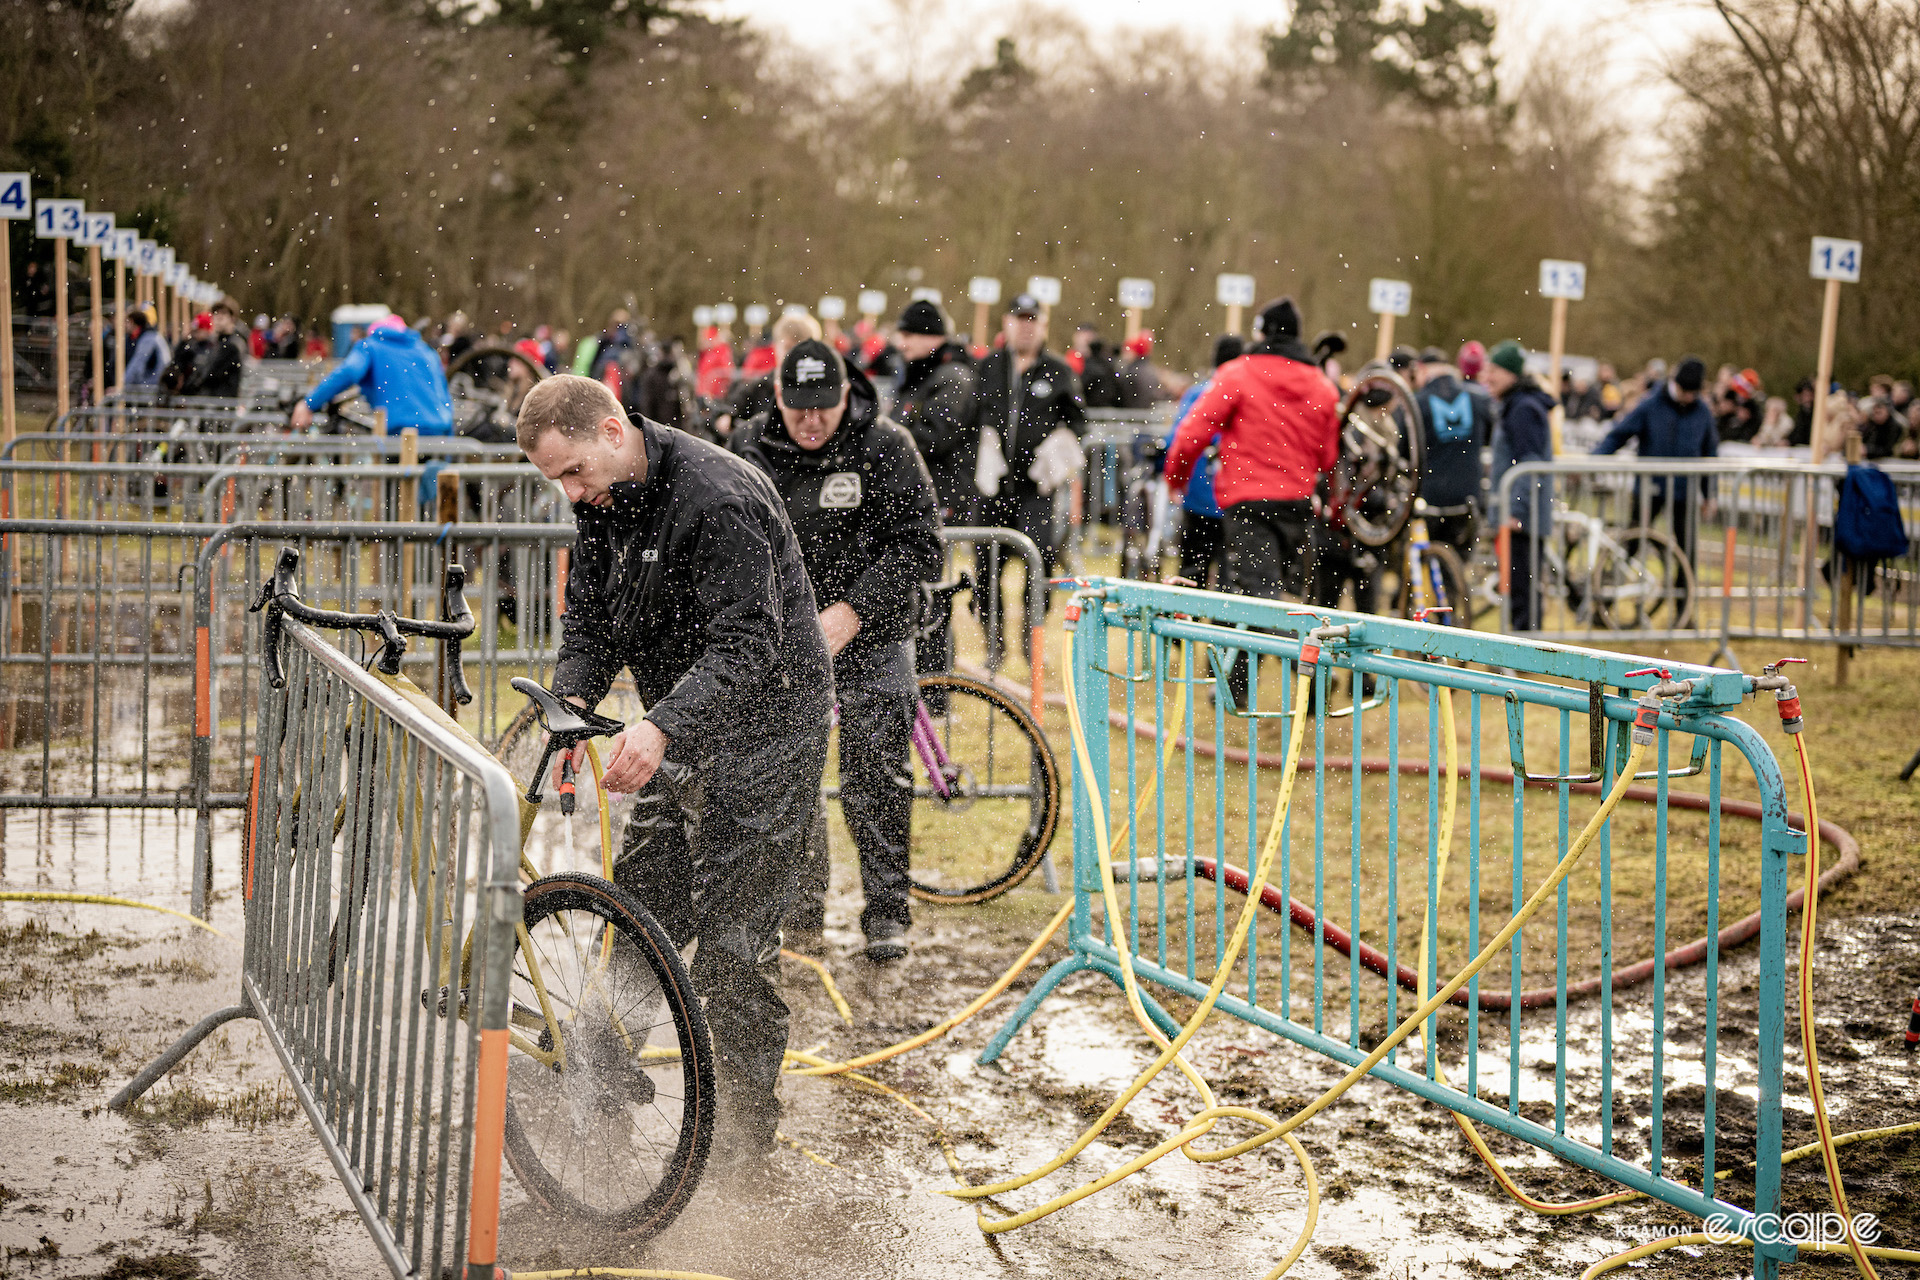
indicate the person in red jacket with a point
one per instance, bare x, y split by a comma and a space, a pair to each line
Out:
1277, 418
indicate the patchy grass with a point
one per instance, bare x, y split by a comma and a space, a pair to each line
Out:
185, 1107
67, 1079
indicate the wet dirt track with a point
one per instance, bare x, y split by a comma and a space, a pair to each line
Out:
220, 1174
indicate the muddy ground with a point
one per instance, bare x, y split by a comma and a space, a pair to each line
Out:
219, 1175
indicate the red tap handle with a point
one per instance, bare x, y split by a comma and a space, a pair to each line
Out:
1420, 615
1662, 672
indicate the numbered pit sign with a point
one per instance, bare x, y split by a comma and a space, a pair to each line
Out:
725, 313
64, 219
925, 294
1136, 293
1389, 297
703, 317
163, 262
1233, 290
1836, 260
1045, 288
146, 257
177, 275
832, 307
757, 315
96, 230
872, 302
983, 290
1560, 279
124, 245
16, 196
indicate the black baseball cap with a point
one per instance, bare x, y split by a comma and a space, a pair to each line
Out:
812, 377
1024, 304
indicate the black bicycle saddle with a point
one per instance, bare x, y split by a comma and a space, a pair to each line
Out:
562, 719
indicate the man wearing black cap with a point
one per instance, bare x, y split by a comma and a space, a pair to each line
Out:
686, 572
1673, 422
1026, 397
1276, 415
862, 505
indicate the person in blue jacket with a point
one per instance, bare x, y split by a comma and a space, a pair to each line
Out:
1673, 422
395, 370
1203, 545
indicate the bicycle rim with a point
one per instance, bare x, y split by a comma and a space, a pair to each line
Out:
1001, 800
558, 842
614, 1130
1646, 584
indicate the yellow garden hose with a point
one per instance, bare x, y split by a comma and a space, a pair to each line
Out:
1203, 1121
104, 900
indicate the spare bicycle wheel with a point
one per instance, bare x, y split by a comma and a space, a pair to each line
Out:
610, 1121
986, 792
1644, 585
1378, 475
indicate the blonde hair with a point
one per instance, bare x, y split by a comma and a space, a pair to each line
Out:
568, 403
789, 331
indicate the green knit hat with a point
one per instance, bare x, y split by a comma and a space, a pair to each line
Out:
1511, 356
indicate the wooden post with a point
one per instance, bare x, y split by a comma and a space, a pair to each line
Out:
119, 327
6, 338
1383, 345
447, 502
1133, 322
1556, 350
1233, 318
409, 511
96, 297
1810, 535
980, 312
60, 327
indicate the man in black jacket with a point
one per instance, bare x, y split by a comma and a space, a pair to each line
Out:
862, 505
687, 573
1025, 395
936, 406
225, 359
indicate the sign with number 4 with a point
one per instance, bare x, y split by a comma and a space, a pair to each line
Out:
16, 195
1836, 260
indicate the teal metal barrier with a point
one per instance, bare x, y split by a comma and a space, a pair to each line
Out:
1518, 703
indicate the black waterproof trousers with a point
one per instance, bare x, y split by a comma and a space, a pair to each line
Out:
1270, 550
877, 700
714, 849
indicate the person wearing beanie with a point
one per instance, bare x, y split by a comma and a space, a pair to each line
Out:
936, 408
1673, 422
1276, 416
394, 369
1141, 386
862, 506
1202, 539
1524, 433
147, 352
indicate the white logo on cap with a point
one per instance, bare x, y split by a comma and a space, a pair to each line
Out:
841, 491
809, 369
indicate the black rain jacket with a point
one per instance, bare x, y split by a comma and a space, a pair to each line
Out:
863, 508
1046, 396
693, 580
936, 407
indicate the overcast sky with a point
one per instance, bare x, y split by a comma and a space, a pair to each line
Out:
1622, 42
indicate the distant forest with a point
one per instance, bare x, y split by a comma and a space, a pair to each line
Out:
546, 160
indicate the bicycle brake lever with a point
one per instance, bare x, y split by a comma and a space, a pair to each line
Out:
453, 608
392, 643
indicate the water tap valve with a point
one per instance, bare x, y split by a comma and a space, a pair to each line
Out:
1646, 716
1786, 698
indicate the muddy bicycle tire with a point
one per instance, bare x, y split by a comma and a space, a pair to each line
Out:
960, 707
1638, 549
612, 1085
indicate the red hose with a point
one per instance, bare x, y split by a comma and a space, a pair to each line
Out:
1741, 931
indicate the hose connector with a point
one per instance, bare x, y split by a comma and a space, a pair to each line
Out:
1786, 698
1311, 642
1074, 609
1646, 717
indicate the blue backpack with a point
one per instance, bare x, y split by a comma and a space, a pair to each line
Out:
1867, 527
1452, 419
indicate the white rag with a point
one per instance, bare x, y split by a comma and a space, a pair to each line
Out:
992, 467
1057, 460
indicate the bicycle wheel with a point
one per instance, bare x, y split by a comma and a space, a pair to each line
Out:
1641, 580
986, 792
558, 842
1378, 475
1445, 585
611, 1127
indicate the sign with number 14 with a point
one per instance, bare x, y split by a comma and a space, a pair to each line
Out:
1836, 259
16, 195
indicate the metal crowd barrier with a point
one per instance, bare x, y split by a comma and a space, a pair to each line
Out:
484, 492
987, 553
225, 416
159, 448
349, 936
1207, 805
1112, 439
1741, 525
